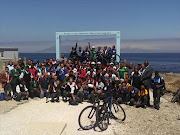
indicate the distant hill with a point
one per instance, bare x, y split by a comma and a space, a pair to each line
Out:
130, 46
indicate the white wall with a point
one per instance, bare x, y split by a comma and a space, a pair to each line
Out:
11, 54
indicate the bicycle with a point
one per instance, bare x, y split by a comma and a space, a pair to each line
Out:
89, 113
110, 109
98, 115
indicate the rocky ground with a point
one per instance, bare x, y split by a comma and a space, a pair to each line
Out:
15, 119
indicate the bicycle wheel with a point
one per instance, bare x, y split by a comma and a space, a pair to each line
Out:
87, 118
102, 117
173, 100
117, 112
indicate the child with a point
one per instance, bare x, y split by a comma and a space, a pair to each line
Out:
142, 100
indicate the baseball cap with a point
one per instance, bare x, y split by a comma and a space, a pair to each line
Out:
93, 63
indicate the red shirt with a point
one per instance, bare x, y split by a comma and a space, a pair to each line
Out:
33, 72
82, 73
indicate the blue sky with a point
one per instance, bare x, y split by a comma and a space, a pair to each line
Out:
38, 20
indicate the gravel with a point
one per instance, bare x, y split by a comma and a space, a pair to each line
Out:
139, 121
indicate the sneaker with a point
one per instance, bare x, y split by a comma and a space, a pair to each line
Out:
57, 101
144, 106
52, 101
47, 101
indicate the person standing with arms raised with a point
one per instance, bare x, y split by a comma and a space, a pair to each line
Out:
146, 79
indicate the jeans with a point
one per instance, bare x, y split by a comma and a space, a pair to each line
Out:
45, 93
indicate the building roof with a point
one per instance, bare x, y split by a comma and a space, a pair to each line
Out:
2, 49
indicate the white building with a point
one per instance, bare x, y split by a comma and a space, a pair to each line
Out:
8, 53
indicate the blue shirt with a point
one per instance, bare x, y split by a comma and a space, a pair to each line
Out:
62, 72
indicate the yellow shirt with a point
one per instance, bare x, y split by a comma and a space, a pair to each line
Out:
143, 93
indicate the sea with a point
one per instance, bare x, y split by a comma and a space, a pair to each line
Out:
162, 62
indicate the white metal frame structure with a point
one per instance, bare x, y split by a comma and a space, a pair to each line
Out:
59, 34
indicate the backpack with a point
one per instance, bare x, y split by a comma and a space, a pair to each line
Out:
71, 102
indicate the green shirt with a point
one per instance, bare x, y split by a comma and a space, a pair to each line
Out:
15, 75
34, 85
93, 54
122, 72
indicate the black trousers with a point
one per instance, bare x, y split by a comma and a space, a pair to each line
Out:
13, 86
66, 94
34, 93
80, 96
21, 95
55, 95
91, 97
156, 97
148, 96
7, 91
143, 101
132, 101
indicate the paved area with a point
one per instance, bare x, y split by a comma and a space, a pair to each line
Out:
28, 116
37, 117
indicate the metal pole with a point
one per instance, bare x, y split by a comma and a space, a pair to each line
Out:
58, 51
118, 46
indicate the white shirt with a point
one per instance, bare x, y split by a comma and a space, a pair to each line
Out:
100, 86
22, 74
89, 73
72, 86
10, 67
18, 88
7, 75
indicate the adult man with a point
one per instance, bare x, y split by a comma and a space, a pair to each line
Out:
33, 70
55, 89
34, 88
86, 54
21, 91
62, 59
113, 53
74, 52
79, 92
5, 80
112, 77
91, 73
99, 54
43, 86
74, 99
146, 78
65, 91
122, 70
105, 52
107, 88
130, 69
136, 78
123, 93
10, 66
93, 52
80, 53
27, 77
133, 95
158, 85
62, 72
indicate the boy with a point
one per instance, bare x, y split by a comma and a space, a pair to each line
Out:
158, 84
143, 97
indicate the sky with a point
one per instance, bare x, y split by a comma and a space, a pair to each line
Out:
38, 20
